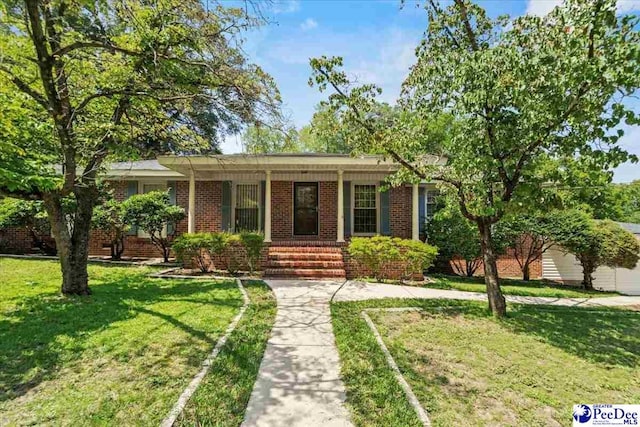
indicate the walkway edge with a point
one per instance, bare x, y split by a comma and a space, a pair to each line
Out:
411, 397
206, 365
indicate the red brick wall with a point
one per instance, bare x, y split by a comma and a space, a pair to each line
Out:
400, 211
282, 211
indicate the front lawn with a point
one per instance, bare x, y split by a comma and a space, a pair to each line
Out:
533, 288
119, 357
467, 368
224, 394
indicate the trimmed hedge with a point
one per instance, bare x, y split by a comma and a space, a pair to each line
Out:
204, 248
374, 253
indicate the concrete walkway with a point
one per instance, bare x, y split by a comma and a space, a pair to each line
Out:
299, 379
358, 291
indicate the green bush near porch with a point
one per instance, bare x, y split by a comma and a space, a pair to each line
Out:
377, 253
202, 249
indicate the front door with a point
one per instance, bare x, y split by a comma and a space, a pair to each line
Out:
305, 208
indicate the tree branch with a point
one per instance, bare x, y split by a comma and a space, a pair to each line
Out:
24, 87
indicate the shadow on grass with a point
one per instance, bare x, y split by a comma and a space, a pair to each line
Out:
606, 336
30, 348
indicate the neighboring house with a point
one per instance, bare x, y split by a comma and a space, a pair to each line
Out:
565, 268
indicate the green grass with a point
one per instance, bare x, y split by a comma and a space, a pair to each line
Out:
119, 357
533, 288
222, 397
467, 368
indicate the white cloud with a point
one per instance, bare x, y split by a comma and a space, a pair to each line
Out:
625, 6
286, 6
309, 24
543, 7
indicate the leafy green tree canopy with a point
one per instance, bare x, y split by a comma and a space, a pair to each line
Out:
519, 91
262, 139
89, 82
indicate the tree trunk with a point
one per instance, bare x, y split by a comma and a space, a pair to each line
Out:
587, 275
526, 273
72, 241
497, 303
470, 269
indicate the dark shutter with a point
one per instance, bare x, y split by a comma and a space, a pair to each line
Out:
346, 195
171, 187
385, 222
422, 214
132, 189
226, 206
262, 199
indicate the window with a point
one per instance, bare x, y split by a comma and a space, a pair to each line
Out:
247, 208
365, 209
430, 203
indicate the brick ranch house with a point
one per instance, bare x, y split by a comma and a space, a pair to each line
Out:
307, 205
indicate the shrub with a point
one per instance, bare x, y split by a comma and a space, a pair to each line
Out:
253, 244
194, 246
595, 243
375, 252
109, 218
31, 215
416, 255
234, 245
155, 215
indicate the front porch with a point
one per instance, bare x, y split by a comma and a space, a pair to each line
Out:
300, 198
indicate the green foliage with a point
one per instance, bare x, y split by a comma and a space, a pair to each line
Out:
519, 92
253, 244
528, 234
153, 213
457, 240
595, 243
264, 140
83, 83
109, 217
194, 246
325, 133
234, 244
375, 253
28, 214
416, 256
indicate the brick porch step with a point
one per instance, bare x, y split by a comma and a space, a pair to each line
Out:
305, 262
311, 273
305, 256
305, 249
289, 263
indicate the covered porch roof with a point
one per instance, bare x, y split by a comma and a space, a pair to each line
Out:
209, 166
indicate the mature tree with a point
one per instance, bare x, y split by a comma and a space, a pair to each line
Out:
99, 80
30, 215
108, 217
629, 195
520, 91
456, 240
528, 236
325, 133
262, 139
154, 214
595, 243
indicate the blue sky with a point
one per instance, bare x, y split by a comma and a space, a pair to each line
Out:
377, 41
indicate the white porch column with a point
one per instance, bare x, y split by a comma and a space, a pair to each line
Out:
415, 215
340, 238
191, 227
267, 207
